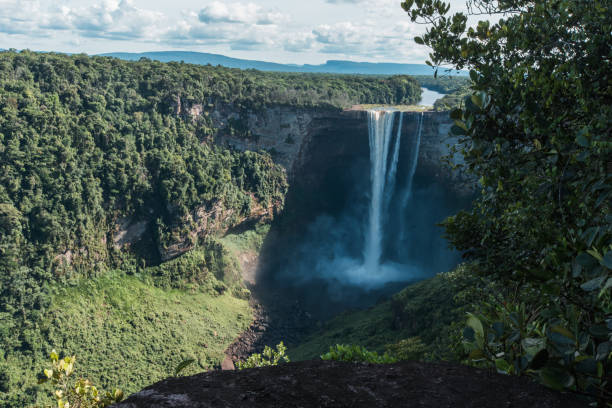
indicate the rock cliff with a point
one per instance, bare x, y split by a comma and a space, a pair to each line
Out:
297, 137
334, 384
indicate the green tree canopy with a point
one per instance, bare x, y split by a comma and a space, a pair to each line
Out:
536, 132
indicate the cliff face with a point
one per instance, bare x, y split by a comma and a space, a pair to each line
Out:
309, 141
315, 147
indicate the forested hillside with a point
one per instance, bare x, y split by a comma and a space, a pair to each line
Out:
101, 170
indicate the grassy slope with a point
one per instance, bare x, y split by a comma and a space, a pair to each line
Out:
371, 328
427, 310
129, 334
250, 240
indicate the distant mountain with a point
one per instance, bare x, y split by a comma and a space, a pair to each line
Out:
332, 66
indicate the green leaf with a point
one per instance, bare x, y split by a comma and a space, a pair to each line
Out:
607, 286
475, 324
476, 100
599, 331
586, 365
183, 364
539, 360
503, 366
589, 235
556, 378
593, 284
461, 124
473, 75
456, 130
603, 350
560, 335
586, 260
607, 260
532, 345
581, 140
419, 40
468, 334
456, 114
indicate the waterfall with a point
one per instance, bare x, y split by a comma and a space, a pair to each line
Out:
414, 158
393, 169
380, 127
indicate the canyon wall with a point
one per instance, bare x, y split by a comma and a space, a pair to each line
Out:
315, 147
297, 138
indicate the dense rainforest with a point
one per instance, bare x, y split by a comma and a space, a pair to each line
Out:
92, 147
93, 150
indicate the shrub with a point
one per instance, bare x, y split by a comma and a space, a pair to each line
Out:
269, 357
354, 353
79, 393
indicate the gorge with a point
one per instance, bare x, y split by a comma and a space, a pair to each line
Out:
137, 196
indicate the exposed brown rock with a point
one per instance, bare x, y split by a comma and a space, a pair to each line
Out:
335, 384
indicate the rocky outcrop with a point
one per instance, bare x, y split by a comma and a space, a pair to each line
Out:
128, 231
283, 131
205, 220
295, 135
335, 384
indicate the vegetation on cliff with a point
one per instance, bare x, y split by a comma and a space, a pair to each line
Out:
536, 131
108, 170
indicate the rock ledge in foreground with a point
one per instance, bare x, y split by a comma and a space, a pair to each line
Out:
334, 384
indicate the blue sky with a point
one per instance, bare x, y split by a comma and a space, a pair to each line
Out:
290, 31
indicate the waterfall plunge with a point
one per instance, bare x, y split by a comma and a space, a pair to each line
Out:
383, 179
380, 126
414, 158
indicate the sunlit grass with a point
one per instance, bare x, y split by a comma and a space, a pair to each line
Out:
126, 333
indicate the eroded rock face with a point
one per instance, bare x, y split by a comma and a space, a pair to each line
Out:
128, 231
205, 220
334, 384
295, 135
309, 143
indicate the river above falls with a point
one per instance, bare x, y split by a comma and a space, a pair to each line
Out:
428, 97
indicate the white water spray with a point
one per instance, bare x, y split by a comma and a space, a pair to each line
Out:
380, 126
390, 187
413, 165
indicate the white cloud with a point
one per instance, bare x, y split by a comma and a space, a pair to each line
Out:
369, 39
117, 20
299, 42
249, 13
108, 19
235, 35
370, 31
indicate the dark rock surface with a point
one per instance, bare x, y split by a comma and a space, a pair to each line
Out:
335, 384
280, 320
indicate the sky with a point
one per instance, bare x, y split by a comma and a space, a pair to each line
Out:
289, 31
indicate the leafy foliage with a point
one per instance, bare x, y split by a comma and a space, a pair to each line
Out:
411, 348
183, 365
353, 353
453, 100
420, 322
269, 357
536, 131
79, 393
